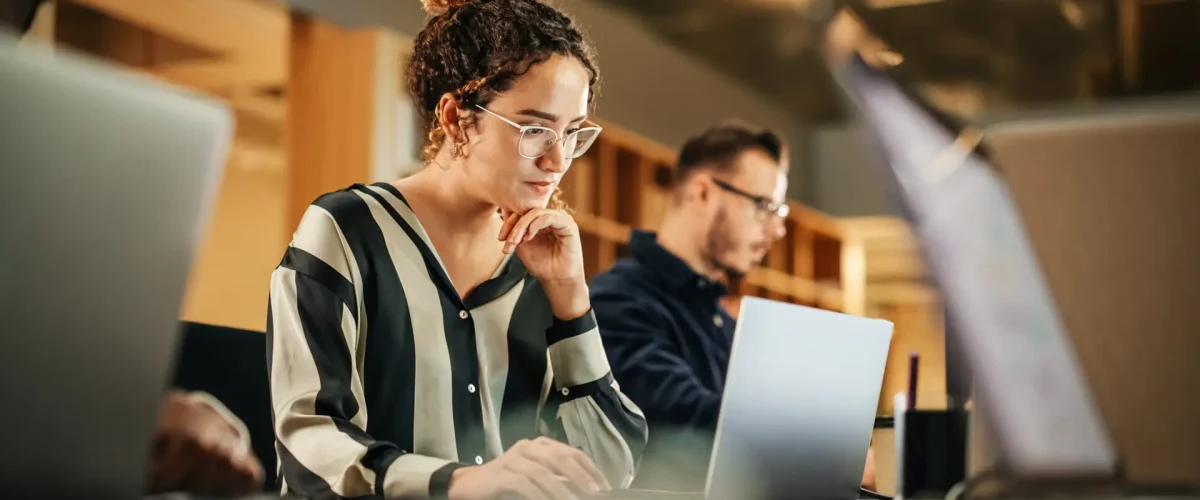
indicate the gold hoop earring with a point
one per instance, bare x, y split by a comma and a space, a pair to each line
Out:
456, 151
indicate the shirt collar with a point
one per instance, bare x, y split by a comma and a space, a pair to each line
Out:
669, 268
511, 272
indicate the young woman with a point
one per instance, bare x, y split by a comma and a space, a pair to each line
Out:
427, 335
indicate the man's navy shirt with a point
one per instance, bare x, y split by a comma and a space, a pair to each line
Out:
668, 341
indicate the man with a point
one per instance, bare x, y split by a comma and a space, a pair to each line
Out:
199, 446
667, 337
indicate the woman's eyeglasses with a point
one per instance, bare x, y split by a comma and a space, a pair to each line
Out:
537, 140
762, 203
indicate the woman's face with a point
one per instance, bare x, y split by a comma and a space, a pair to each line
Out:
553, 94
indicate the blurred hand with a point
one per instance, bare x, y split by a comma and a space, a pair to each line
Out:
868, 479
198, 451
540, 469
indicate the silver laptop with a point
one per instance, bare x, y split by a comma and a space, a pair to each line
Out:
799, 406
106, 182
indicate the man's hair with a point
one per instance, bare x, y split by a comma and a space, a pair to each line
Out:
717, 147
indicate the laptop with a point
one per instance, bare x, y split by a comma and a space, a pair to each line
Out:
801, 395
1045, 424
106, 183
799, 406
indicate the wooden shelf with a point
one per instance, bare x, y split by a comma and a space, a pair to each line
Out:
772, 281
621, 184
897, 288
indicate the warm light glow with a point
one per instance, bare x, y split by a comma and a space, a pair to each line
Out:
891, 4
1073, 13
890, 57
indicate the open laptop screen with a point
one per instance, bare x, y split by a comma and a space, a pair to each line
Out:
1044, 421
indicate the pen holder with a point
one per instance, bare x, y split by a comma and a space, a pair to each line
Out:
931, 447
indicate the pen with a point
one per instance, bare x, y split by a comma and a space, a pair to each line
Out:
914, 361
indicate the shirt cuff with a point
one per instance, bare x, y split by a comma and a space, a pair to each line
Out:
576, 351
419, 476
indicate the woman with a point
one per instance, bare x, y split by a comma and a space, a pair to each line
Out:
426, 334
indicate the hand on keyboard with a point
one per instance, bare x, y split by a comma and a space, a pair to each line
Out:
541, 469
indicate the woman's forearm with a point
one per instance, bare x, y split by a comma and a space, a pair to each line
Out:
568, 299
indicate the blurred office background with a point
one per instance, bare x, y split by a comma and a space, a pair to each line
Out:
317, 86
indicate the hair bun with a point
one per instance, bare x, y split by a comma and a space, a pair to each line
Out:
439, 7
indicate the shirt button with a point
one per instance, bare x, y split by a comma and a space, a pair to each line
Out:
718, 321
471, 388
463, 314
478, 460
701, 283
565, 391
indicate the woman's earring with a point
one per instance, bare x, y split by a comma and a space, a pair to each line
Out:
456, 151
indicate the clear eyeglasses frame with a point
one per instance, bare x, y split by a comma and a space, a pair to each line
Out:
536, 140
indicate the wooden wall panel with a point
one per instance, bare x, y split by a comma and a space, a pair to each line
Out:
607, 199
333, 101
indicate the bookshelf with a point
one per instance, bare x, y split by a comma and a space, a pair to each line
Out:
898, 288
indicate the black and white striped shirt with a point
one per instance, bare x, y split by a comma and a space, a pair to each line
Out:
384, 380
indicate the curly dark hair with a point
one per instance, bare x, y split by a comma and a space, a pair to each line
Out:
476, 49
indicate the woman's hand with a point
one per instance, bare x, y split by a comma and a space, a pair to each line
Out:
541, 469
547, 241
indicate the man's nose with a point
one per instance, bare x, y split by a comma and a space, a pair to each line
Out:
777, 228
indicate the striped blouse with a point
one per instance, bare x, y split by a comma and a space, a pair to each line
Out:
384, 380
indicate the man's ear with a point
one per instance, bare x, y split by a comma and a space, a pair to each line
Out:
700, 188
699, 191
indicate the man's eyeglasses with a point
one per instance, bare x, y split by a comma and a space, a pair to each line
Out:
762, 203
536, 140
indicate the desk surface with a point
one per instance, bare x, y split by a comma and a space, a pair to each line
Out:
614, 495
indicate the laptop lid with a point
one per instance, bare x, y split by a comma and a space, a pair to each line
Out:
105, 186
799, 405
1043, 419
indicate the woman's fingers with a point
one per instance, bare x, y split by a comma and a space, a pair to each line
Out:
517, 234
536, 227
510, 221
519, 229
542, 476
571, 464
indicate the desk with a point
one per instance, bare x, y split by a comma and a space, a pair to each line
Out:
614, 495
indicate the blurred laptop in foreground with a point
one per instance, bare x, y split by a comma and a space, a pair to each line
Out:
107, 181
1047, 425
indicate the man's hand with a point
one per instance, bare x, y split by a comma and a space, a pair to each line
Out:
540, 469
198, 451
